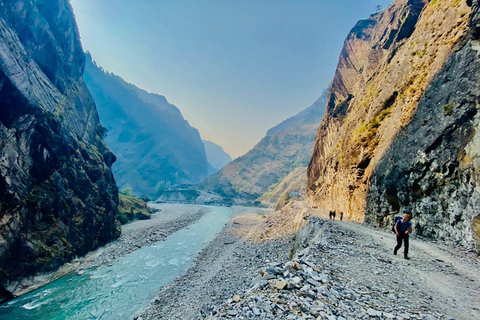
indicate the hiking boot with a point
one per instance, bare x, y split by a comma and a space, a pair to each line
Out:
407, 258
395, 252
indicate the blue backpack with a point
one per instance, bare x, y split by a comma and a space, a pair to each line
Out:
395, 222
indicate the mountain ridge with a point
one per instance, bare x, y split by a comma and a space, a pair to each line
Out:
155, 146
284, 148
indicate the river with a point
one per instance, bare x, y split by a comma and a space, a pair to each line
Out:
119, 290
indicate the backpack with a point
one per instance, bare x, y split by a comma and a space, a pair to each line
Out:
395, 222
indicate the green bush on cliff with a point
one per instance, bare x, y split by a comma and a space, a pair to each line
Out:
130, 208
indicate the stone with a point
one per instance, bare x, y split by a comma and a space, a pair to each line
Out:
236, 298
268, 276
232, 312
313, 283
278, 284
374, 313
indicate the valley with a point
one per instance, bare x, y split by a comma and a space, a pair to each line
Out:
114, 206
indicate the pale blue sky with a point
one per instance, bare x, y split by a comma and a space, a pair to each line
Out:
234, 68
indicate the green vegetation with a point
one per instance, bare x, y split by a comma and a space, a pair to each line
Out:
284, 200
126, 192
366, 132
130, 208
448, 108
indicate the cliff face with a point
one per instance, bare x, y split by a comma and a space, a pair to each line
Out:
285, 148
399, 134
58, 196
155, 145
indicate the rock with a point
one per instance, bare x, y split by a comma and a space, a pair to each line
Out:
268, 276
236, 298
55, 167
374, 313
232, 312
313, 282
277, 284
296, 265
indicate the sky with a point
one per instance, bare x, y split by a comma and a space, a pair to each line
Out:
235, 68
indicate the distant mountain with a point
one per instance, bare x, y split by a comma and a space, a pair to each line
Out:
286, 147
155, 146
216, 156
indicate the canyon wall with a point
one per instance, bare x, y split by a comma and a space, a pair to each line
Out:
399, 134
58, 197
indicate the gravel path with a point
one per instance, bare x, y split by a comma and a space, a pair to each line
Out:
347, 272
350, 272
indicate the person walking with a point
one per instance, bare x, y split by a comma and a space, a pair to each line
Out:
341, 215
403, 228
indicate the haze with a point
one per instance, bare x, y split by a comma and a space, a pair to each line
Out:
234, 68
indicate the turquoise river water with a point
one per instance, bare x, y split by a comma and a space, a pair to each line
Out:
119, 290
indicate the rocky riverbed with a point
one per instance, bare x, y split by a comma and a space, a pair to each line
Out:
168, 219
342, 270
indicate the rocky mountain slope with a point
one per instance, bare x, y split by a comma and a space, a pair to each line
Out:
285, 148
58, 197
216, 156
399, 133
154, 144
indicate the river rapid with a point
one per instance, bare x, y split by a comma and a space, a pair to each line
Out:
119, 290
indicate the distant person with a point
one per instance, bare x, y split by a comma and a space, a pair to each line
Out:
330, 214
334, 214
403, 228
341, 215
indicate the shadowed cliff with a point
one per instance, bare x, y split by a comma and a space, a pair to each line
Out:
156, 147
58, 196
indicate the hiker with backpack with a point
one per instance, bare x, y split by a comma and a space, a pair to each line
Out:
403, 228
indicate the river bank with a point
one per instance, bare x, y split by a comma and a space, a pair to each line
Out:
169, 219
226, 266
345, 271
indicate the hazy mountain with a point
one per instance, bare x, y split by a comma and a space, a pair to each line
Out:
216, 156
155, 146
285, 148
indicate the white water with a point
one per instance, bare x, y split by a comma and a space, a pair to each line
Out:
120, 290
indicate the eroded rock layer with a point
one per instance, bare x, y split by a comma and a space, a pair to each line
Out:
58, 197
399, 134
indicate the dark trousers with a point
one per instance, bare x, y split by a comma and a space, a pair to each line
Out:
400, 237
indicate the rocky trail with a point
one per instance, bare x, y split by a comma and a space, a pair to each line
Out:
348, 271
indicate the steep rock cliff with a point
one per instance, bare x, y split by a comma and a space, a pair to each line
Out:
154, 144
285, 148
58, 197
403, 101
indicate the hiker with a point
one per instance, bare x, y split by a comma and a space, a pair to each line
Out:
402, 229
334, 213
330, 214
341, 215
